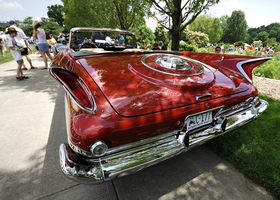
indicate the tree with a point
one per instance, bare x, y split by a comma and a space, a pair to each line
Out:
124, 14
236, 27
262, 36
145, 34
223, 21
274, 30
81, 13
272, 42
181, 14
161, 35
55, 12
208, 25
216, 32
51, 26
127, 13
27, 26
201, 24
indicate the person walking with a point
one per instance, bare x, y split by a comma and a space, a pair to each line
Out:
2, 46
16, 51
21, 40
40, 35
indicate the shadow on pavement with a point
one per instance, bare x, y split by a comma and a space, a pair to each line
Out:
58, 186
197, 174
35, 84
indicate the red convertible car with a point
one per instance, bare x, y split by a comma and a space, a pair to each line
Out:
128, 108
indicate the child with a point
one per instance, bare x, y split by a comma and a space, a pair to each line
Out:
16, 52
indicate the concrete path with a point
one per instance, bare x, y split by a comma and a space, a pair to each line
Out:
32, 126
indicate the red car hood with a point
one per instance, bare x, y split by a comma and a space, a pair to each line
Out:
138, 84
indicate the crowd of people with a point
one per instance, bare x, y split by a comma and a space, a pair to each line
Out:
18, 44
154, 46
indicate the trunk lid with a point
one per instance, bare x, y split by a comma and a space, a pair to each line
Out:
140, 84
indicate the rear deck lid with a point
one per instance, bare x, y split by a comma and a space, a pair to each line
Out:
139, 84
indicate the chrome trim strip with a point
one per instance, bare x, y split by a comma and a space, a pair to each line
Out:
239, 66
130, 160
203, 96
94, 107
79, 150
141, 143
170, 55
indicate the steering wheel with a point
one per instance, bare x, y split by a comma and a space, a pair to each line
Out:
87, 45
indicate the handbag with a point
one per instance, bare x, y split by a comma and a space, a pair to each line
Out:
48, 37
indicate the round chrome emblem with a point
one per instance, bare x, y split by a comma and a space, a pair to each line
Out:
173, 63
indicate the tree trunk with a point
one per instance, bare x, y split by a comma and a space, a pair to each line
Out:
175, 40
176, 24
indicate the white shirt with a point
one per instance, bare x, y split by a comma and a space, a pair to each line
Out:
19, 38
13, 43
108, 40
41, 36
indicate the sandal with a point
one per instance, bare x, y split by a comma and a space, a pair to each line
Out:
24, 68
25, 77
20, 78
44, 68
33, 67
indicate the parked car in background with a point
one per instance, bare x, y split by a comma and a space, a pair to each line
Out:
127, 108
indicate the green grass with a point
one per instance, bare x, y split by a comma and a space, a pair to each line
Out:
254, 149
8, 56
269, 69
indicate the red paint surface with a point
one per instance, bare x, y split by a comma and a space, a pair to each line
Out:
135, 102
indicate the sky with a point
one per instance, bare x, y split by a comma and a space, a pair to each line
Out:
20, 9
257, 12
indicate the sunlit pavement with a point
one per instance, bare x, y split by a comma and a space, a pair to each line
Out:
32, 125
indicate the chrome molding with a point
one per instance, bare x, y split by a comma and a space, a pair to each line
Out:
203, 96
239, 66
79, 150
94, 109
133, 157
172, 56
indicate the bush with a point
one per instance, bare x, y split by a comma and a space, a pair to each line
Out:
252, 52
203, 50
239, 44
269, 69
188, 47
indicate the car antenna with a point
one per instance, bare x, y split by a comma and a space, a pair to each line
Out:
223, 57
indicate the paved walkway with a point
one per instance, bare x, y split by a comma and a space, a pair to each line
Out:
32, 125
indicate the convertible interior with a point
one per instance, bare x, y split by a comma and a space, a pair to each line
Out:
100, 40
89, 41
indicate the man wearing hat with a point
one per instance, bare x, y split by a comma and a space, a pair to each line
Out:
16, 51
21, 41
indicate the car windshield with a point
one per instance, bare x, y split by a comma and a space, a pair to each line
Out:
107, 39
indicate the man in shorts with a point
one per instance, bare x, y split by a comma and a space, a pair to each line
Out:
16, 52
21, 41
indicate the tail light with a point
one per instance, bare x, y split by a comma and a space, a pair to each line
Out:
246, 67
75, 87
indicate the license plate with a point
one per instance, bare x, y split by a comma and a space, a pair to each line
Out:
195, 121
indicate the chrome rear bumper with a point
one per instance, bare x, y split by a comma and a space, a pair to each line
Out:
148, 152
